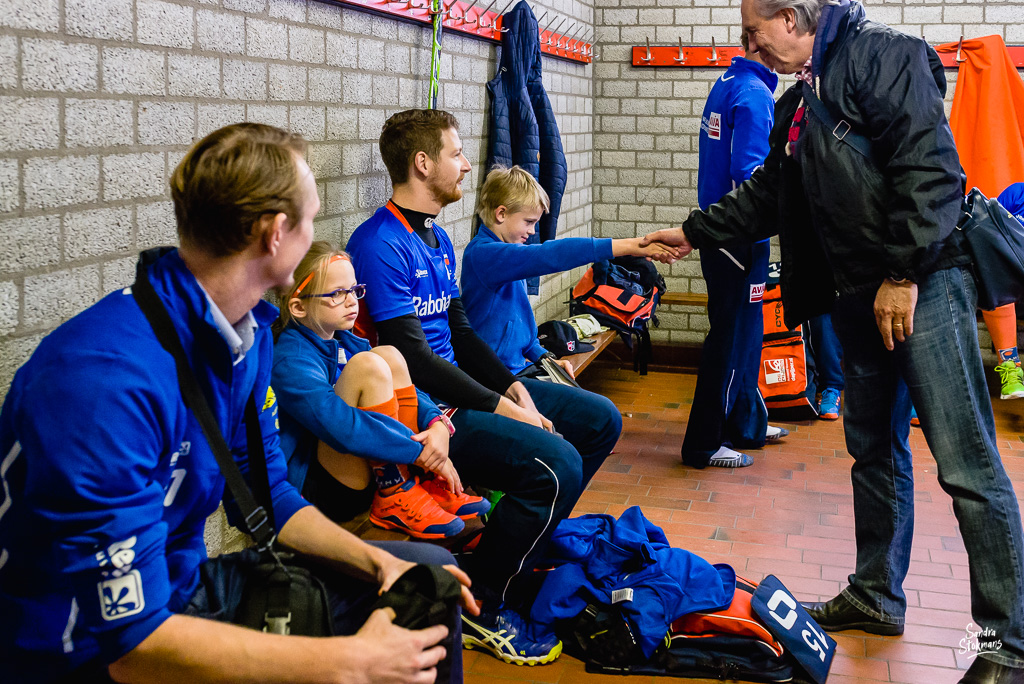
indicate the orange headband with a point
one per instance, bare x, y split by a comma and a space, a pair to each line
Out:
336, 257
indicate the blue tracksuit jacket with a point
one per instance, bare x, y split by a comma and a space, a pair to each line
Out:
108, 480
598, 557
306, 367
494, 288
734, 128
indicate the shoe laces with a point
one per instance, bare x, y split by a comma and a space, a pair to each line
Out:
1010, 371
830, 395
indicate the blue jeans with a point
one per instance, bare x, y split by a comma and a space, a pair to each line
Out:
541, 474
222, 581
939, 369
727, 406
828, 353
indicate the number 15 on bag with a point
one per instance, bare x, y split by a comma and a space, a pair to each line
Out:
788, 622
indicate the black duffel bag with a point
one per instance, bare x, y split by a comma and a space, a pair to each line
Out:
995, 240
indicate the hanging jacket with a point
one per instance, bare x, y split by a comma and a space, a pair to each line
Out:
987, 118
523, 126
306, 367
627, 563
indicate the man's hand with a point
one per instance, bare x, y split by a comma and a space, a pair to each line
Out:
390, 568
434, 455
392, 655
518, 393
894, 311
508, 408
672, 237
658, 251
566, 364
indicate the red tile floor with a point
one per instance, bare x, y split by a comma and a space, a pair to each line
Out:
790, 514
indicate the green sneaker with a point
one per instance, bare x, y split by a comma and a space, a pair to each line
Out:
1012, 378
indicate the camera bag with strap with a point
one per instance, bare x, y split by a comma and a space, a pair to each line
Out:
280, 596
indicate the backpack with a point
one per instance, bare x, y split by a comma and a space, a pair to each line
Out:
786, 378
732, 643
622, 293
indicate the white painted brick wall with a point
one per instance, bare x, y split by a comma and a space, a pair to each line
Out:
99, 99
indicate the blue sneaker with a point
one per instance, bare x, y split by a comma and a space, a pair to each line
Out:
828, 409
504, 635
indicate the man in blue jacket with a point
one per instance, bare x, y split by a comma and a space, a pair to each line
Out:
728, 410
107, 479
504, 433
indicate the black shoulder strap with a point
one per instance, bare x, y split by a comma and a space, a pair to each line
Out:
842, 130
257, 521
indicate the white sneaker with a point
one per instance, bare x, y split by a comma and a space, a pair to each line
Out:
727, 458
775, 433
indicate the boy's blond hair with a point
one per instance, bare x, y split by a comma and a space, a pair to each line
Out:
514, 188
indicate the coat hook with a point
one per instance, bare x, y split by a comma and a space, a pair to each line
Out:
483, 15
959, 50
506, 7
648, 57
681, 59
566, 36
714, 51
539, 30
572, 38
548, 25
465, 13
555, 30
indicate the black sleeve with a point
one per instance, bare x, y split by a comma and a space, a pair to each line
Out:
473, 354
431, 373
750, 212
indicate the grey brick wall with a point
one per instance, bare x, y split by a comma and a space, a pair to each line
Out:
647, 121
99, 99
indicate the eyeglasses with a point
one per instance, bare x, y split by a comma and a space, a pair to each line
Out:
341, 294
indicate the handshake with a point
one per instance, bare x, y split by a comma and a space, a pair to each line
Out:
666, 246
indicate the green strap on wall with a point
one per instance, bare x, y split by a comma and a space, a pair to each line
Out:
436, 9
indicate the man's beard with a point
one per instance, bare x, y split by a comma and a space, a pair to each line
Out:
444, 196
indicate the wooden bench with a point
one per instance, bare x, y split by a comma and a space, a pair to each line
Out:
582, 360
685, 299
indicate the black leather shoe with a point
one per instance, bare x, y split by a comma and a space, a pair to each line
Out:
984, 671
839, 614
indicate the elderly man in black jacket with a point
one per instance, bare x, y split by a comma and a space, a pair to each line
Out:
877, 227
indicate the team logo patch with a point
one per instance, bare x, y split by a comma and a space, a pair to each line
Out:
713, 125
571, 345
428, 222
271, 398
422, 273
121, 596
117, 559
779, 370
756, 293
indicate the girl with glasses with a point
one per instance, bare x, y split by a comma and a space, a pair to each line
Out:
349, 412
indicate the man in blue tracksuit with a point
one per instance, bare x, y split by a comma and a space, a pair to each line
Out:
728, 410
106, 478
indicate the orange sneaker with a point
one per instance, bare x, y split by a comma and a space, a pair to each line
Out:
411, 510
462, 505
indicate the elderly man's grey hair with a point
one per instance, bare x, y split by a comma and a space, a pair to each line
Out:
807, 11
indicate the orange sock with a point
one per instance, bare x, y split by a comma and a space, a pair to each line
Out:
389, 476
1002, 326
408, 407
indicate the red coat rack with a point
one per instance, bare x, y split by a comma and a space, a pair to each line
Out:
469, 19
703, 56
